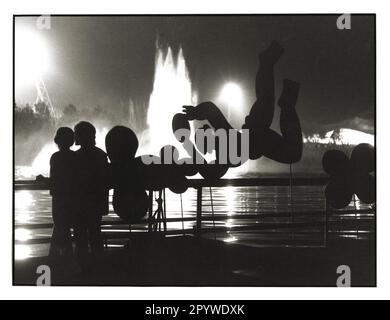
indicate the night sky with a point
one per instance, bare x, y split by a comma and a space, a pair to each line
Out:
108, 60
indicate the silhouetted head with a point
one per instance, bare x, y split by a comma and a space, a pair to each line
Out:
64, 138
85, 134
121, 144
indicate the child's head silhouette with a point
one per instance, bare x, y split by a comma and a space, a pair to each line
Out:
85, 134
121, 144
64, 138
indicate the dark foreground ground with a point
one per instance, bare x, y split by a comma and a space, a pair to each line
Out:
188, 261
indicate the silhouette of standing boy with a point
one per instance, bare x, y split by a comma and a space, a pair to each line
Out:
92, 167
62, 181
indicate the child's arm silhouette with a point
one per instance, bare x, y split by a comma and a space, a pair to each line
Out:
207, 111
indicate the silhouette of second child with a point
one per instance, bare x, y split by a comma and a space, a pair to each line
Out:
92, 167
62, 189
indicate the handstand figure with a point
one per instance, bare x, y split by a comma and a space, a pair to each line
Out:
263, 141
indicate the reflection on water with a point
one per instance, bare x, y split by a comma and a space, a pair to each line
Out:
22, 251
22, 234
23, 199
228, 209
24, 217
230, 198
230, 239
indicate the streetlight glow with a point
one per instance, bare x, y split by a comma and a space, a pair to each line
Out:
232, 97
32, 57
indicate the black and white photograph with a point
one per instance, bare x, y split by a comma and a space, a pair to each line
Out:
194, 158
195, 150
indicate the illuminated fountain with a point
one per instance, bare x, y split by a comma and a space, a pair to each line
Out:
172, 89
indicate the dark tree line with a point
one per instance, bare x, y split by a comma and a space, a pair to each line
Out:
32, 118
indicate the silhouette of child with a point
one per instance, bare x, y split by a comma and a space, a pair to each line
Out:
62, 190
92, 189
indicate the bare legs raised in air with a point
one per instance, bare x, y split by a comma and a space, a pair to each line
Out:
263, 141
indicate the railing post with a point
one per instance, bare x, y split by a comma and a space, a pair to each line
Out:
165, 211
150, 224
198, 211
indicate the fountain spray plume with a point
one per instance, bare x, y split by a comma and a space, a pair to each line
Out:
172, 88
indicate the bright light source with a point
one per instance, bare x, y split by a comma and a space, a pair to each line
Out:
31, 56
232, 97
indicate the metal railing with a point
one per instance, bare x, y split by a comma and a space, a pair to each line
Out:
199, 185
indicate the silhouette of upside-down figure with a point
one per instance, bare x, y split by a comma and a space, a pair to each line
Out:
263, 141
